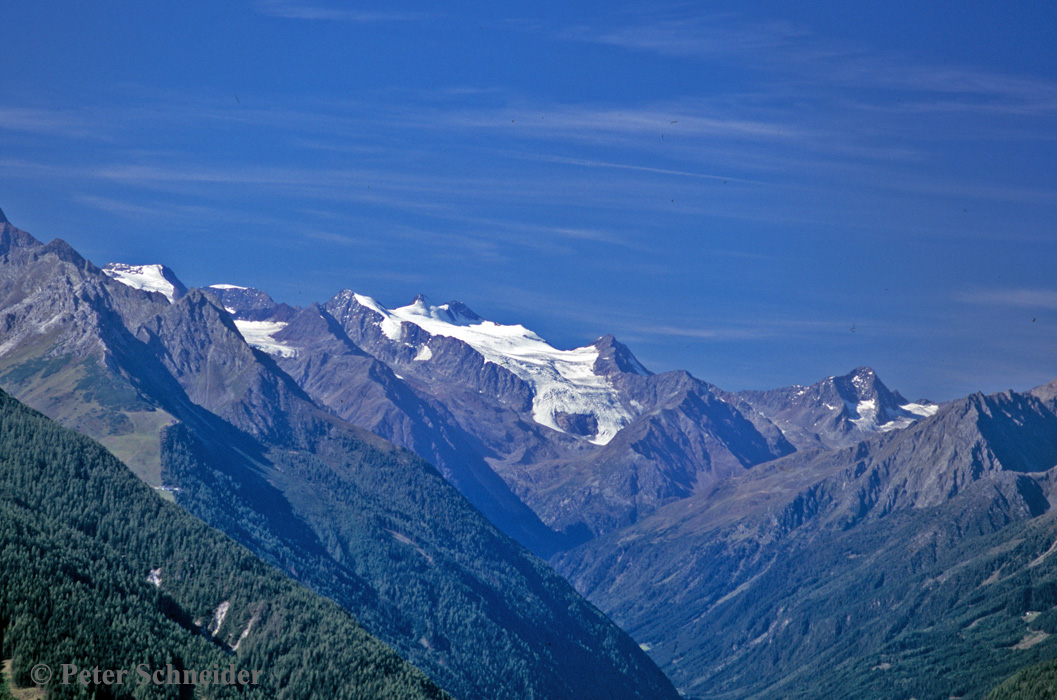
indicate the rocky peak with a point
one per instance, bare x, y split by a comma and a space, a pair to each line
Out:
249, 304
863, 397
863, 384
11, 237
460, 309
614, 356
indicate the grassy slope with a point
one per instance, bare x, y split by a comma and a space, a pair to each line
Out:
77, 393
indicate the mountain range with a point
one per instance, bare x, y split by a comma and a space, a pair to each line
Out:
831, 540
172, 388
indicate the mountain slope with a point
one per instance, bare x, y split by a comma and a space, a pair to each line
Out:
544, 419
241, 445
366, 392
99, 572
805, 566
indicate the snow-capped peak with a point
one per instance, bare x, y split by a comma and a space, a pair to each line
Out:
149, 278
225, 286
876, 407
564, 381
454, 312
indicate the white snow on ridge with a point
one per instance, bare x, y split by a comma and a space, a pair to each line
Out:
564, 380
869, 416
920, 409
867, 410
389, 325
897, 424
225, 286
149, 278
259, 335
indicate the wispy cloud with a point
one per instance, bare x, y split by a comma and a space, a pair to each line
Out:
588, 163
675, 119
182, 213
44, 121
295, 9
701, 333
1021, 298
700, 37
810, 61
759, 329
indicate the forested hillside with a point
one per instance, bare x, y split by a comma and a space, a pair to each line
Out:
96, 570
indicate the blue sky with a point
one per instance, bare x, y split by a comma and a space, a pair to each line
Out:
758, 193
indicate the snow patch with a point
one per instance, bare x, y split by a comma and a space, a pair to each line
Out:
155, 577
563, 380
921, 409
867, 412
259, 335
897, 424
149, 278
225, 286
424, 353
874, 419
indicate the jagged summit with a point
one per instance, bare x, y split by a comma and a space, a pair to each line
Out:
240, 300
615, 356
836, 411
11, 237
454, 312
862, 384
149, 278
257, 316
460, 309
